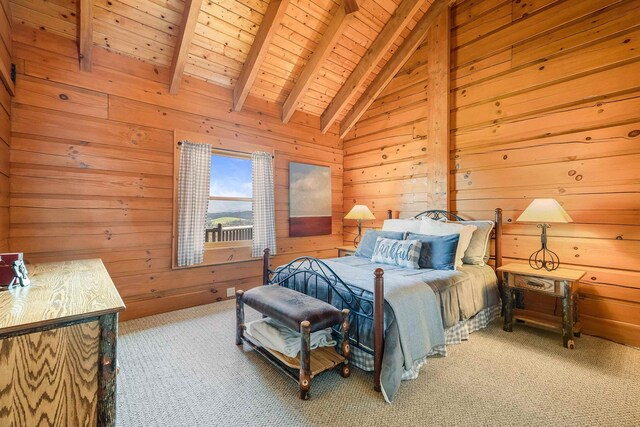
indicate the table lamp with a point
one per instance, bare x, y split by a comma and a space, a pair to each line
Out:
359, 212
544, 212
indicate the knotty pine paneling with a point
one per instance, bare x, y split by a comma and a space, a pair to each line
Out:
92, 165
5, 124
546, 104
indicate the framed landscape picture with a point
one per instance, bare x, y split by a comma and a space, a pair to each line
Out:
309, 200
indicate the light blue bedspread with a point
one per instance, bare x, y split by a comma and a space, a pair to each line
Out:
417, 328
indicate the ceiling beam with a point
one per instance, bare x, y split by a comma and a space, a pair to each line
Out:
391, 68
85, 33
181, 50
335, 29
351, 6
270, 23
396, 24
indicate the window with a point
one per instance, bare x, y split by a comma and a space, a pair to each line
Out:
230, 215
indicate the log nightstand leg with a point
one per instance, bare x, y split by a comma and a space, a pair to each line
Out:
567, 316
508, 309
345, 370
305, 359
239, 317
576, 314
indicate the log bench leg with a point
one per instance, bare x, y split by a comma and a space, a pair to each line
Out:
345, 370
239, 317
305, 359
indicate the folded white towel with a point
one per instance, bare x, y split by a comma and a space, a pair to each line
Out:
276, 336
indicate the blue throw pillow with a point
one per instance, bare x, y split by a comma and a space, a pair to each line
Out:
403, 253
438, 252
368, 242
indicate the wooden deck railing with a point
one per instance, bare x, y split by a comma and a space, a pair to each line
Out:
229, 234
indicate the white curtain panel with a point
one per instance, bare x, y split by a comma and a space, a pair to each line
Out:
193, 200
264, 207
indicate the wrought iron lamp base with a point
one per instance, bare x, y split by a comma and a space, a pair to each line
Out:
544, 257
356, 239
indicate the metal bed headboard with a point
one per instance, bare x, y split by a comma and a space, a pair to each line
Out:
437, 214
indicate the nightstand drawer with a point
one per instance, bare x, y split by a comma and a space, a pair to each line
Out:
540, 284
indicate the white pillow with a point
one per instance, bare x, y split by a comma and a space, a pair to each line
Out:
439, 228
411, 225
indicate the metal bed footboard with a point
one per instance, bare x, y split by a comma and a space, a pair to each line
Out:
313, 277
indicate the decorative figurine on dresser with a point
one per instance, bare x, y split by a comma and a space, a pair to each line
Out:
58, 347
13, 272
561, 283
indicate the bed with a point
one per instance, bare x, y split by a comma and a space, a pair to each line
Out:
399, 316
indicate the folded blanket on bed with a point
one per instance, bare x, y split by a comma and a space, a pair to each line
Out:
278, 337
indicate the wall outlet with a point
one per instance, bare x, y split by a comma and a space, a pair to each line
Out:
231, 292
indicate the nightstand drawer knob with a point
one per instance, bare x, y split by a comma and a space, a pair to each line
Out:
534, 284
539, 284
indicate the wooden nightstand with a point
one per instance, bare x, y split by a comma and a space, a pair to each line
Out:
346, 250
560, 283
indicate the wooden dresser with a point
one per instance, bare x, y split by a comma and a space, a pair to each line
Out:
58, 347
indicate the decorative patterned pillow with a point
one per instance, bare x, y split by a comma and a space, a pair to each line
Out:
403, 253
368, 242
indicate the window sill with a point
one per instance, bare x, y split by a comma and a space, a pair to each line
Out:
217, 254
227, 245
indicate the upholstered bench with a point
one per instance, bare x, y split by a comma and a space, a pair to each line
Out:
302, 313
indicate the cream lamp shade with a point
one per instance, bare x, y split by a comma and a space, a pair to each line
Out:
360, 212
544, 211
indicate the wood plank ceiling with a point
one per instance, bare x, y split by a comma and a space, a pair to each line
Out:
218, 40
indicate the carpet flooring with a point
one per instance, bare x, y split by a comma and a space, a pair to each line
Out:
183, 369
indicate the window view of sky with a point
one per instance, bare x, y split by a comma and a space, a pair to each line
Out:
230, 177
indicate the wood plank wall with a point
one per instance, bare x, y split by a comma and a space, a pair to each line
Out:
92, 161
5, 123
546, 103
390, 162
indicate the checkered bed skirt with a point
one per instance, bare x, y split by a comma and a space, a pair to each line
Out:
453, 335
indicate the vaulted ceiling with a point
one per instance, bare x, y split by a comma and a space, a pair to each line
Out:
274, 40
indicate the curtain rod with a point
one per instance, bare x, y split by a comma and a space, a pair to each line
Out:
230, 151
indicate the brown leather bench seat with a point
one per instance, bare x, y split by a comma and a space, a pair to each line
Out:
290, 307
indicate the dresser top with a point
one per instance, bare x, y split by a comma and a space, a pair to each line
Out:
559, 274
59, 292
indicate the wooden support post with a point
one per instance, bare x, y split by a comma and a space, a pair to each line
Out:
305, 359
239, 317
107, 361
345, 371
439, 105
85, 33
265, 267
378, 328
